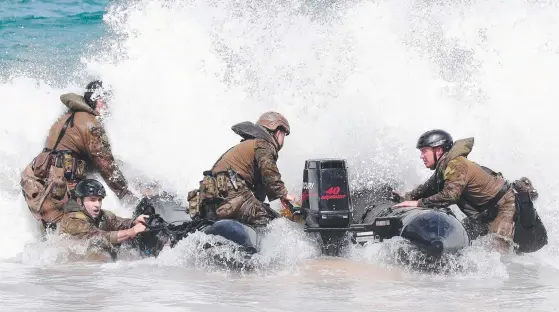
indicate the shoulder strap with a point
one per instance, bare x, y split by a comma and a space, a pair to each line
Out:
63, 131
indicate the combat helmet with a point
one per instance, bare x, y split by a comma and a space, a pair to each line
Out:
90, 187
434, 138
272, 121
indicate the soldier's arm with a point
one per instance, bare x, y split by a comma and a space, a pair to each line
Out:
264, 153
100, 152
455, 181
116, 223
82, 229
424, 190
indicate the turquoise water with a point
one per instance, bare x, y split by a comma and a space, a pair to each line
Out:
46, 37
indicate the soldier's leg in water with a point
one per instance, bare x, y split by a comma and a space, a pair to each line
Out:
69, 206
503, 224
474, 228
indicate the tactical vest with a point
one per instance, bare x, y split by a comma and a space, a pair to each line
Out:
73, 166
491, 204
214, 186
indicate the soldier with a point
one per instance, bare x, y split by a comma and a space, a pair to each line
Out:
91, 222
481, 194
76, 144
240, 180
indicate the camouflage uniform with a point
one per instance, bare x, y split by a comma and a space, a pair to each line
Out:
87, 147
253, 162
460, 181
102, 230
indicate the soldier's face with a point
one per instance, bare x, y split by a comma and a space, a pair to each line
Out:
280, 137
93, 205
101, 107
428, 156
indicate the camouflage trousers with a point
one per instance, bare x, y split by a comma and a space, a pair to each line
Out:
244, 207
502, 226
47, 198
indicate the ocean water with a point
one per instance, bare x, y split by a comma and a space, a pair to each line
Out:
356, 79
46, 39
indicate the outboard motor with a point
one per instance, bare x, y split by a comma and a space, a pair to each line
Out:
326, 202
326, 194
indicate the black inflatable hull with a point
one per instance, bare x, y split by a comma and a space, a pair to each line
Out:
174, 224
433, 231
235, 232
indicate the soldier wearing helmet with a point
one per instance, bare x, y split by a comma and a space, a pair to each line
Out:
483, 195
75, 146
92, 222
241, 179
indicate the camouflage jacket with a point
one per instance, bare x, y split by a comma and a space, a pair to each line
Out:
86, 137
103, 229
254, 159
458, 180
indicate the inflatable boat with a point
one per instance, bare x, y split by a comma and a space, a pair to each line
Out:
331, 209
169, 223
328, 208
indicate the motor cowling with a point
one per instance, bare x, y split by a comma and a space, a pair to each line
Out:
325, 195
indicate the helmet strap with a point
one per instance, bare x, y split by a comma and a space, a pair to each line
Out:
275, 139
437, 158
